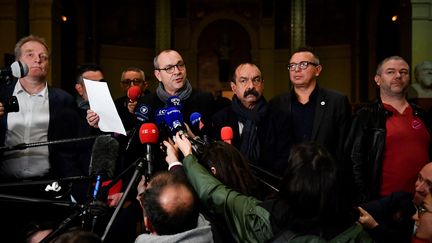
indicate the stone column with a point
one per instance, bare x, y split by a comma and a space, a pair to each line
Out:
163, 25
421, 31
298, 24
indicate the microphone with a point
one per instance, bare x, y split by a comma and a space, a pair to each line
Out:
196, 123
174, 121
226, 134
174, 101
149, 135
133, 93
102, 164
142, 114
17, 69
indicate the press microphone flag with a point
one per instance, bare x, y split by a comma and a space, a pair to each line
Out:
174, 120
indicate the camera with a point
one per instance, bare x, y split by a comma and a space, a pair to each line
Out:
10, 104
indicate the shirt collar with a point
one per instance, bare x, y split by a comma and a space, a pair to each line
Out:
19, 89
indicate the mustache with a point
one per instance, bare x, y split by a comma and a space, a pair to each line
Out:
251, 92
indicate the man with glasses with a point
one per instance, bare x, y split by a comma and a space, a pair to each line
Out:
308, 112
131, 76
389, 141
247, 113
170, 70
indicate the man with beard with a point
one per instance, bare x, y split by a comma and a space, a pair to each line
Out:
246, 115
389, 141
308, 112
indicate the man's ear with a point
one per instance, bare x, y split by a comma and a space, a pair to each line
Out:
376, 78
157, 75
79, 89
149, 226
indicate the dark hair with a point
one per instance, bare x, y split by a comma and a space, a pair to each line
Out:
232, 168
77, 235
308, 49
85, 68
379, 67
309, 187
233, 74
183, 216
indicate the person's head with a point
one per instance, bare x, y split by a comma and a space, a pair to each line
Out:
423, 74
87, 71
423, 183
33, 51
170, 205
36, 231
77, 235
228, 164
304, 67
310, 187
170, 70
133, 76
392, 77
423, 219
247, 84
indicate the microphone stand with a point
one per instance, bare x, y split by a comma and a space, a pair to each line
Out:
22, 146
138, 172
62, 226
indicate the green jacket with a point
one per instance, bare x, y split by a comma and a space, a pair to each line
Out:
246, 219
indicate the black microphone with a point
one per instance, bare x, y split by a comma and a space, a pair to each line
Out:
142, 114
102, 165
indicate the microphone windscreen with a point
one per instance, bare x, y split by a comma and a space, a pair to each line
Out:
173, 118
142, 112
160, 116
19, 69
226, 133
133, 93
148, 133
174, 101
104, 156
195, 118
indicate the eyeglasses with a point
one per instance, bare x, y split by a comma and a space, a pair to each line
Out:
135, 81
421, 210
170, 69
302, 65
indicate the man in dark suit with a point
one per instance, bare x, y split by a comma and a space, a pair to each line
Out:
309, 112
247, 113
45, 114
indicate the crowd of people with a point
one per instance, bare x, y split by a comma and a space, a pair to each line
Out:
336, 175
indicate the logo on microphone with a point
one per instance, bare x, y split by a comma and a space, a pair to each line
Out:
175, 101
143, 110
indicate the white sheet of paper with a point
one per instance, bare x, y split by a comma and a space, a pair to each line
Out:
102, 103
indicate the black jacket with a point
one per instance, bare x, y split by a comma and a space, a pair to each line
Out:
330, 126
365, 146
